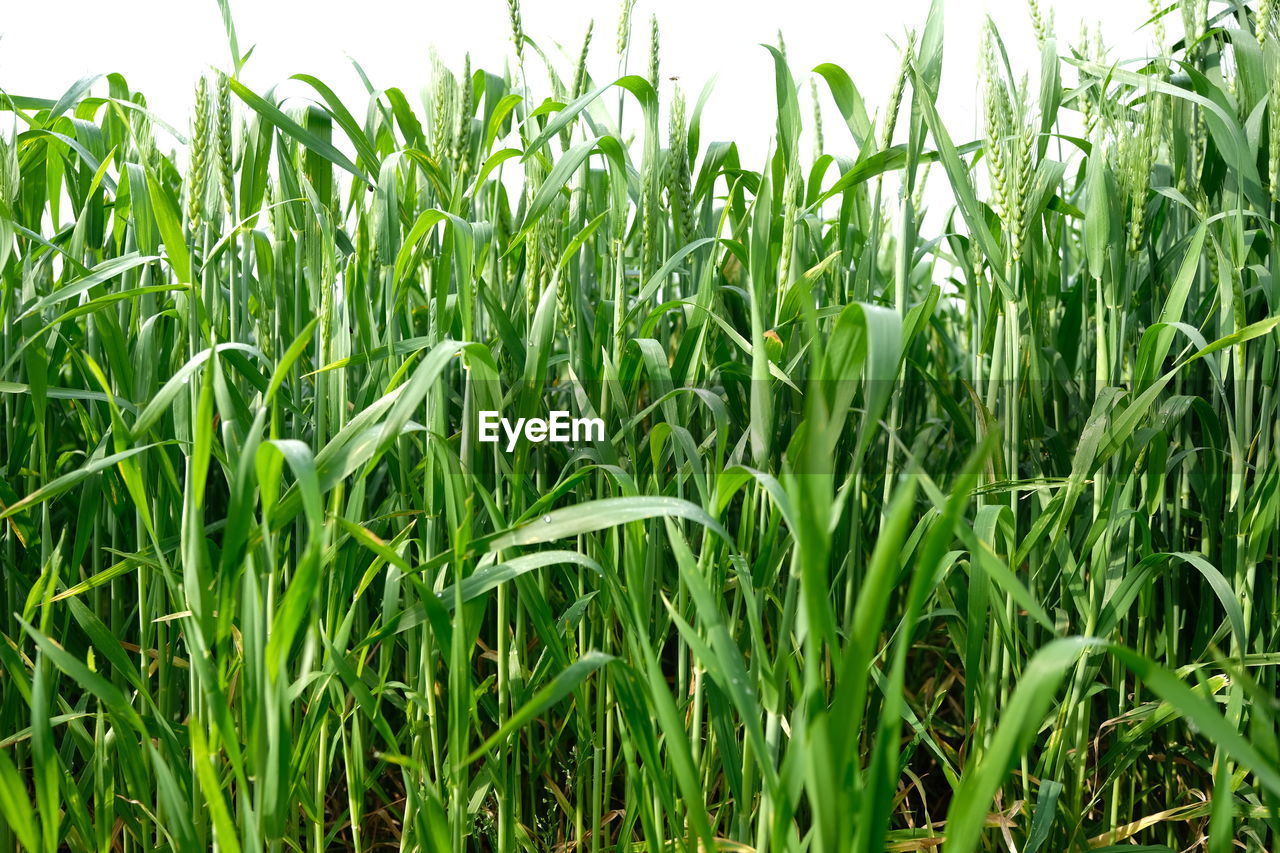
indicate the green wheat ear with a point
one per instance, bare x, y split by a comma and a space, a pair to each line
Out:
223, 135
624, 26
1010, 146
444, 99
818, 140
998, 112
460, 149
1273, 129
9, 170
517, 27
1041, 23
654, 50
678, 178
580, 75
894, 104
1089, 47
1157, 12
198, 172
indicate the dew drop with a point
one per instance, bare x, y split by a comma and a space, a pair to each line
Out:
546, 519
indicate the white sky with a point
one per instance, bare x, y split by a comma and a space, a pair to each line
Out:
160, 46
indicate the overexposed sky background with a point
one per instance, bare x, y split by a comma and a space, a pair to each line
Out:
160, 46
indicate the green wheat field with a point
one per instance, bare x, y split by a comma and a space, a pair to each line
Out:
953, 529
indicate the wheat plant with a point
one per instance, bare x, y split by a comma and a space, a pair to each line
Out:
909, 530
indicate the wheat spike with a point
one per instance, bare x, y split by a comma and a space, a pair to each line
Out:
196, 180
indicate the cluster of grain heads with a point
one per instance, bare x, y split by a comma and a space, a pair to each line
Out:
903, 532
1010, 144
1136, 146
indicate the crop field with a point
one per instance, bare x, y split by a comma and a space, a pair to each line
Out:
911, 524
